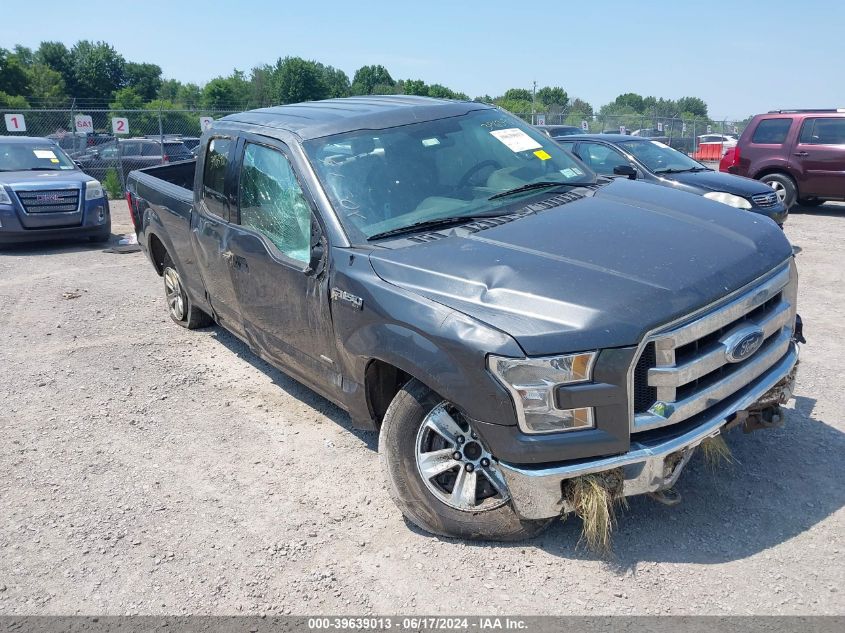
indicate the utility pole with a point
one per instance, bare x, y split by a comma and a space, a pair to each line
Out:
533, 102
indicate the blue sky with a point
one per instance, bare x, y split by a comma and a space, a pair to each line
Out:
741, 57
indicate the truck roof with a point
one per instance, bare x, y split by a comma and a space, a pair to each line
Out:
314, 119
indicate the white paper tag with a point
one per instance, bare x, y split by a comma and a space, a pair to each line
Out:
659, 144
44, 153
569, 173
516, 139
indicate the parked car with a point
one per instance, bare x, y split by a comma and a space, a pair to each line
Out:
455, 279
190, 141
799, 153
655, 162
135, 153
558, 131
43, 195
652, 133
726, 140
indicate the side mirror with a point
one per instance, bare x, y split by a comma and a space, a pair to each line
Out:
625, 170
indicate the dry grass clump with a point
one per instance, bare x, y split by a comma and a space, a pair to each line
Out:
594, 499
716, 452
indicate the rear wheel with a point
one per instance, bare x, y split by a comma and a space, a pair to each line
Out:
440, 474
179, 306
784, 187
810, 202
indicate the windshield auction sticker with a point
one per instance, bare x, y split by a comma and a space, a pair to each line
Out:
44, 153
516, 139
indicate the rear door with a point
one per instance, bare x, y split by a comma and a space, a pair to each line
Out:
818, 159
211, 231
283, 302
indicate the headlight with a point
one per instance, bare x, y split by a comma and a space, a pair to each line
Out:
4, 197
532, 383
93, 190
728, 199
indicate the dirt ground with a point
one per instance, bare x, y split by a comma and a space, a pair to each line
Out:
148, 469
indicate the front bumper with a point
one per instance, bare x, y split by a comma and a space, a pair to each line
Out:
94, 220
651, 464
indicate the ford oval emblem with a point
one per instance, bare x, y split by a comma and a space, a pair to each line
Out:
743, 344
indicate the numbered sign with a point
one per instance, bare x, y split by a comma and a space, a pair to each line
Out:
659, 126
205, 123
15, 123
709, 129
84, 124
119, 125
623, 129
683, 128
541, 119
585, 126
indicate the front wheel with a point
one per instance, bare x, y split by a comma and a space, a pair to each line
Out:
784, 187
440, 474
179, 306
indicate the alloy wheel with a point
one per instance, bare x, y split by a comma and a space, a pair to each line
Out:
174, 294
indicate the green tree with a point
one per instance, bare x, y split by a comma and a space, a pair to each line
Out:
515, 106
13, 101
631, 100
98, 70
46, 85
553, 96
56, 56
188, 96
24, 54
693, 105
415, 87
517, 94
368, 77
581, 107
296, 79
336, 81
169, 89
226, 92
145, 79
13, 77
127, 99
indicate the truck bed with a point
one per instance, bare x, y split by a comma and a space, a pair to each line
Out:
165, 186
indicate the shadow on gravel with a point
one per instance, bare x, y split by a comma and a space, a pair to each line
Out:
784, 482
294, 388
828, 209
52, 247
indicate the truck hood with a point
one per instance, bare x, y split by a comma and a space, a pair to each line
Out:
46, 178
595, 273
717, 181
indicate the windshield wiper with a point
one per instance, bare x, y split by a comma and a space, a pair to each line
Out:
543, 184
435, 223
680, 171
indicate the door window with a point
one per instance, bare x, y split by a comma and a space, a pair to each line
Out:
214, 176
601, 158
771, 131
151, 149
271, 201
823, 131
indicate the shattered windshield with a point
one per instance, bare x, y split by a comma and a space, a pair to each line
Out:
383, 180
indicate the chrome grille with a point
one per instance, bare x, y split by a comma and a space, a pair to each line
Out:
49, 200
765, 199
696, 364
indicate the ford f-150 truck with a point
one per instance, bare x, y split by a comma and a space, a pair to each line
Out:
44, 195
456, 280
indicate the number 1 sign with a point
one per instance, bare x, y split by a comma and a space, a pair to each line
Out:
120, 125
15, 123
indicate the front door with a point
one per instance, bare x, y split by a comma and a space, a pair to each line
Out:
211, 230
283, 303
819, 157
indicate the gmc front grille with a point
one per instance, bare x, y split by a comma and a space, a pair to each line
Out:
49, 200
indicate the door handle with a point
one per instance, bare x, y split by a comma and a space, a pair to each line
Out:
802, 153
228, 257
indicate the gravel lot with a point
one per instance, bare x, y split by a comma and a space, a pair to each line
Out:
148, 469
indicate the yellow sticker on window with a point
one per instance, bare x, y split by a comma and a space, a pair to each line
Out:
542, 155
54, 160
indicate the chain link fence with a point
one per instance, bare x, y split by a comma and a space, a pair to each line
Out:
107, 144
689, 135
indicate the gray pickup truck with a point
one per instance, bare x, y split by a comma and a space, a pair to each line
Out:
507, 320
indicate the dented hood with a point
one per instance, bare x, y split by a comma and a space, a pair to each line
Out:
595, 273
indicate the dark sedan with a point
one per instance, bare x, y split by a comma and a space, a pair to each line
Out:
653, 161
558, 131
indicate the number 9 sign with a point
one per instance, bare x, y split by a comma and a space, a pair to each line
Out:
120, 125
205, 123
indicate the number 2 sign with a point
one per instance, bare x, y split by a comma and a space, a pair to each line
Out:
120, 125
15, 123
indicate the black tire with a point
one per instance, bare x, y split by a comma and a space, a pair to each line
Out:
179, 306
810, 202
784, 186
397, 453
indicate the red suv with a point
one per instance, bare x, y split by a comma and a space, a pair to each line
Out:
799, 153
